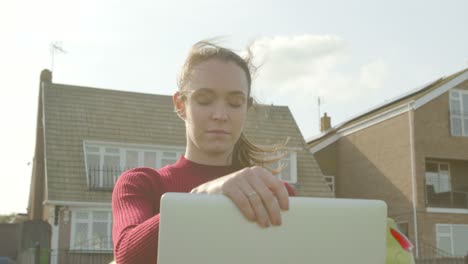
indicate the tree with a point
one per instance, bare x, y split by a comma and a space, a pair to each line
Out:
7, 218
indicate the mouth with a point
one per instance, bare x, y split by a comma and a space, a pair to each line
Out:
218, 132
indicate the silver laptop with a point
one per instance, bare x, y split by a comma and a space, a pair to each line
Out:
209, 229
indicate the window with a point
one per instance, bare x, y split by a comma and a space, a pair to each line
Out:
452, 238
106, 161
168, 158
459, 112
289, 171
91, 230
330, 180
403, 227
438, 177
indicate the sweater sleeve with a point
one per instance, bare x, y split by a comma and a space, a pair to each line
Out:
136, 224
290, 189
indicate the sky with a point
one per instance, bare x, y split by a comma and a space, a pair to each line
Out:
352, 54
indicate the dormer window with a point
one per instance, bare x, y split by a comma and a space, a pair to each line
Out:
105, 162
459, 113
289, 164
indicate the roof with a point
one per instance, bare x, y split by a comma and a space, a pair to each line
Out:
410, 100
73, 114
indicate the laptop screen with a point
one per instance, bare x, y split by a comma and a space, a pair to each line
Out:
208, 229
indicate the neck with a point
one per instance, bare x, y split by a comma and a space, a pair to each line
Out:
213, 158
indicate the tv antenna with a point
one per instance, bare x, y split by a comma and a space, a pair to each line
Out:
55, 48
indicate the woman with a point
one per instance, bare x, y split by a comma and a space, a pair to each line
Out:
213, 100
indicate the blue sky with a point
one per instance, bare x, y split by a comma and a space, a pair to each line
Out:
353, 54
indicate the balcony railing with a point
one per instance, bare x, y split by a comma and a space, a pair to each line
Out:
429, 254
103, 179
450, 199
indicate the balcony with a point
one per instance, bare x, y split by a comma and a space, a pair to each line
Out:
446, 184
450, 199
103, 179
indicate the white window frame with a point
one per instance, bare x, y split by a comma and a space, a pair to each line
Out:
449, 234
292, 157
463, 114
122, 153
439, 170
90, 222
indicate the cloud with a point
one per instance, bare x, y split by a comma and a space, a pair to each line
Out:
287, 58
294, 70
312, 65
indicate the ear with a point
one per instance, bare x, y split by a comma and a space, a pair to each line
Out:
179, 105
250, 102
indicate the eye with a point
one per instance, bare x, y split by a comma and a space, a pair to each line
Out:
236, 100
204, 98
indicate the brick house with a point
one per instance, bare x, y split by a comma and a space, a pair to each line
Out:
87, 136
411, 152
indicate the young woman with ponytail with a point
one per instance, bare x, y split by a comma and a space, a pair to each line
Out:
213, 98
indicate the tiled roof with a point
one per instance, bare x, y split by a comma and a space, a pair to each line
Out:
74, 114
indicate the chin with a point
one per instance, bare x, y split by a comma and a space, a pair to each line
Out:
218, 148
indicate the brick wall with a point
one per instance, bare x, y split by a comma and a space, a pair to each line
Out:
375, 163
434, 141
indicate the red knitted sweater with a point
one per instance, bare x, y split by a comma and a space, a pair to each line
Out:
135, 205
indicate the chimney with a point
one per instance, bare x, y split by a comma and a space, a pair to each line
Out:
325, 123
46, 76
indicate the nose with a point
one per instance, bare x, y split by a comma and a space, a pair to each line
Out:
220, 112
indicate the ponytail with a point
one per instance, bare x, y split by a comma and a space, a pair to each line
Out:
246, 154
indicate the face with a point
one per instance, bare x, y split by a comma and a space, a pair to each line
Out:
215, 108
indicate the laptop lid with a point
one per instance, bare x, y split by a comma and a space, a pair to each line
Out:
209, 229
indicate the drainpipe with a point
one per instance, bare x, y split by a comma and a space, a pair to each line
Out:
413, 175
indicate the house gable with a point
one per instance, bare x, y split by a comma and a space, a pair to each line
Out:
75, 114
452, 81
405, 154
398, 106
38, 191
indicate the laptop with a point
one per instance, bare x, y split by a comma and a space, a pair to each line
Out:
209, 229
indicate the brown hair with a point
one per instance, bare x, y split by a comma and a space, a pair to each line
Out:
245, 154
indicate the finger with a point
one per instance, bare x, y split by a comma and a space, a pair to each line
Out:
269, 201
261, 213
242, 202
277, 187
256, 203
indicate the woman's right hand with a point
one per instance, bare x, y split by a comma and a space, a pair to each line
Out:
256, 192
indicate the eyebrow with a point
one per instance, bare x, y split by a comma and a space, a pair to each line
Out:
211, 91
